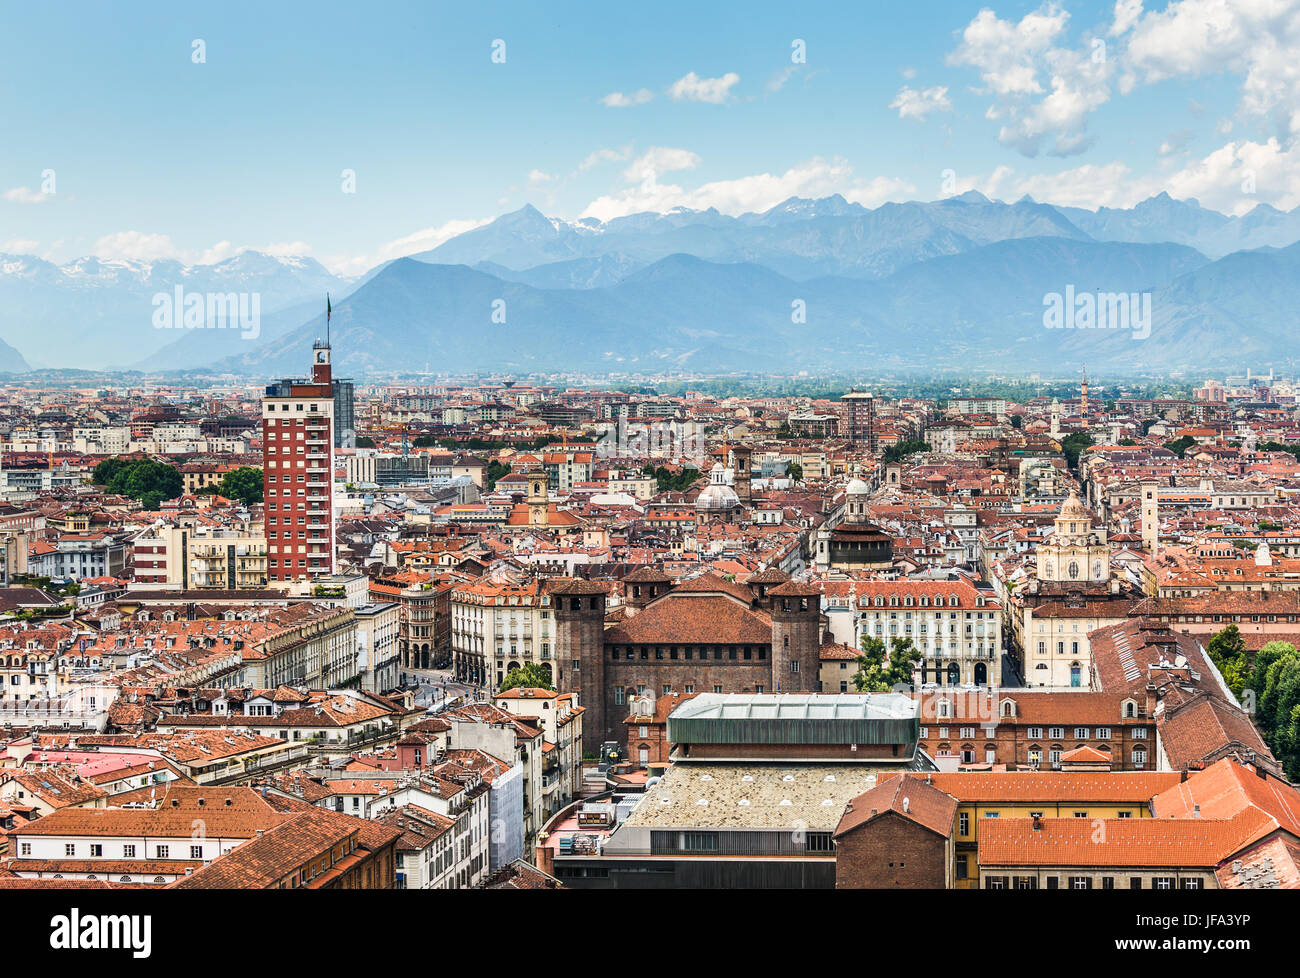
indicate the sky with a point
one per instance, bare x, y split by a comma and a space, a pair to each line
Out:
357, 133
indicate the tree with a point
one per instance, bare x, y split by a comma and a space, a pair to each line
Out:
880, 671
1227, 651
530, 675
795, 471
244, 484
896, 453
1073, 445
1180, 445
495, 471
1017, 420
365, 441
139, 478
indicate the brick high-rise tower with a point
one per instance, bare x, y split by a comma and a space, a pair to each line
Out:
860, 419
298, 472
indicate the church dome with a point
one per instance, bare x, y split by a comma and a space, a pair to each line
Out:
1073, 508
858, 488
717, 496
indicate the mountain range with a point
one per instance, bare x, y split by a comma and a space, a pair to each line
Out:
819, 285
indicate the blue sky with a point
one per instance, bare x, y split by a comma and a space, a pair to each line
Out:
154, 155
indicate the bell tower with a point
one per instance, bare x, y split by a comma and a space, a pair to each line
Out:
538, 500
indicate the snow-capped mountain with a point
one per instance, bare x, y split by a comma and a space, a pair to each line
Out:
96, 313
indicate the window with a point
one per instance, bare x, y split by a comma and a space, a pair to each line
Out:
620, 695
1139, 757
1190, 884
1080, 883
1163, 883
196, 852
128, 852
1026, 882
70, 849
700, 841
162, 852
1108, 882
963, 823
96, 849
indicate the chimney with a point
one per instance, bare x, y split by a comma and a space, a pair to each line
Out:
545, 855
1151, 700
906, 805
1196, 811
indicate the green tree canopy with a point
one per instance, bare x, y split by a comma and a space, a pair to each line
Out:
1072, 447
1180, 445
879, 670
244, 484
139, 478
530, 675
1227, 651
896, 453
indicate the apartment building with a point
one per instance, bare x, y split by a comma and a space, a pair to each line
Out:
298, 472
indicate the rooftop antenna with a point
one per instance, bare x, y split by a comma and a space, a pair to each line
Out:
328, 311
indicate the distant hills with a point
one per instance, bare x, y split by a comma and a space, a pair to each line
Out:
817, 285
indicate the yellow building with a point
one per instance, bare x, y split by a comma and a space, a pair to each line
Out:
1047, 794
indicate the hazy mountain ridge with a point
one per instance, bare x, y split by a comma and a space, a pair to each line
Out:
965, 274
984, 307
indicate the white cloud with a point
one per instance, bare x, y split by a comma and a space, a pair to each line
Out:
1005, 53
617, 100
26, 195
1259, 40
1015, 59
137, 245
817, 177
914, 104
778, 80
409, 244
604, 155
20, 246
1218, 181
1090, 186
693, 88
1127, 13
537, 178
